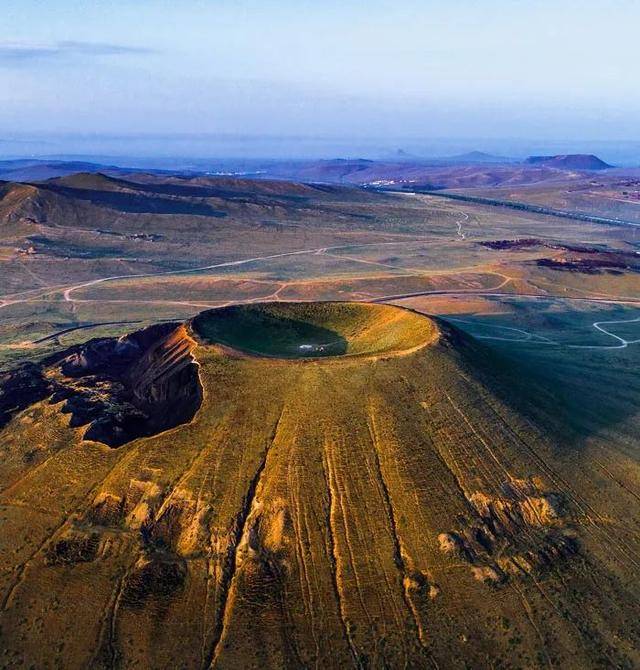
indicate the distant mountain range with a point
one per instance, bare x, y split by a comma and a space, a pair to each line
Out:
479, 157
473, 169
38, 170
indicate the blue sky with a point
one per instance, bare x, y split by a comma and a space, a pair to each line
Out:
372, 68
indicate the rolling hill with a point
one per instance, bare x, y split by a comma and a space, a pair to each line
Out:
570, 162
173, 223
26, 170
342, 485
466, 171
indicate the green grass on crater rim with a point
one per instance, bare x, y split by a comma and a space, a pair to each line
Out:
315, 329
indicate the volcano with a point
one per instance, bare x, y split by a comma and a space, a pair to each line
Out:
290, 485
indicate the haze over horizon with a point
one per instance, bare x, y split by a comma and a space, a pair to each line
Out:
88, 72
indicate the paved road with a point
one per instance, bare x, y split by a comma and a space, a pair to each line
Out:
522, 336
82, 327
523, 207
34, 294
623, 343
27, 296
492, 293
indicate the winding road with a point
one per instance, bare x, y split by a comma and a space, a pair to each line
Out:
533, 338
623, 342
460, 232
523, 336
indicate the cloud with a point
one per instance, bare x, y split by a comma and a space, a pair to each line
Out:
16, 53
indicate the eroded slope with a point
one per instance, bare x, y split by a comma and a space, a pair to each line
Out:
120, 389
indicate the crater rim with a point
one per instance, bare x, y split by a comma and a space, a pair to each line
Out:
328, 330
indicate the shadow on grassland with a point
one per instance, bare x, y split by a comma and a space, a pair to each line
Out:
257, 331
575, 394
136, 203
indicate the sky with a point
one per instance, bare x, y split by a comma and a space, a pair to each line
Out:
558, 70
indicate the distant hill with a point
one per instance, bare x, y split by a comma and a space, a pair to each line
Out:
454, 172
335, 170
570, 162
37, 170
478, 157
90, 215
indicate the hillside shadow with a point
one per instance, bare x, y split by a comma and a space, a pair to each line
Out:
575, 394
206, 191
135, 203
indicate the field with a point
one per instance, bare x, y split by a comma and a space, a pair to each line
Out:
613, 194
319, 243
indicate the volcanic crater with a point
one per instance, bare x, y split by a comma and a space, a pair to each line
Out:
316, 330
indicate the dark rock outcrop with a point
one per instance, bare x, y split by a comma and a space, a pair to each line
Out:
120, 388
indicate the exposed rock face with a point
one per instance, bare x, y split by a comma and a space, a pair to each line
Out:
520, 532
574, 258
120, 389
153, 575
73, 548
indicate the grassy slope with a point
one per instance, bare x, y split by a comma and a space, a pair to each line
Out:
305, 502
